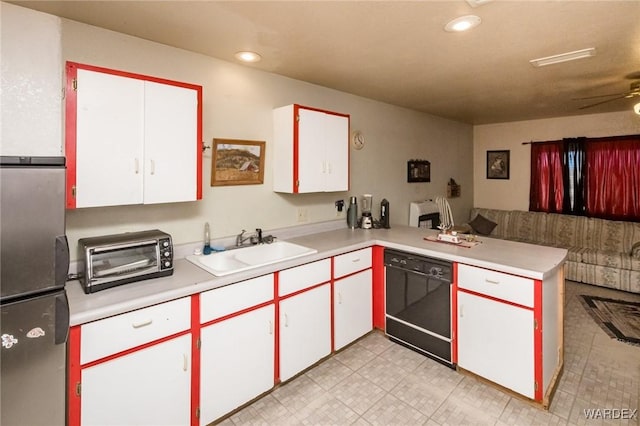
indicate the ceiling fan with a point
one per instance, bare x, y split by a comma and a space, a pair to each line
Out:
634, 90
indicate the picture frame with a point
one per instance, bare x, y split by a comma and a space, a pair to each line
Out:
237, 162
498, 164
418, 171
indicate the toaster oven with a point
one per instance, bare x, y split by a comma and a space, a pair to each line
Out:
113, 260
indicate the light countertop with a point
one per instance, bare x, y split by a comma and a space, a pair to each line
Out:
532, 261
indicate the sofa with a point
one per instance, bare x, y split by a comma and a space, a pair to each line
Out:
601, 252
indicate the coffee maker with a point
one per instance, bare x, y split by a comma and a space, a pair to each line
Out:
384, 214
367, 219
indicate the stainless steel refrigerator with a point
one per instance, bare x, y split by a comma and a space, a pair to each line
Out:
34, 313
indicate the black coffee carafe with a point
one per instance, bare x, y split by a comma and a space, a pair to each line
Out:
384, 214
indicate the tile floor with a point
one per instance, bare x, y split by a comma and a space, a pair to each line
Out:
377, 382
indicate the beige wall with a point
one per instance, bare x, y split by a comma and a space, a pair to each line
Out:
513, 194
238, 101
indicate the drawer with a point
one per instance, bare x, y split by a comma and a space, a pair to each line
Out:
496, 284
301, 277
112, 335
235, 297
351, 262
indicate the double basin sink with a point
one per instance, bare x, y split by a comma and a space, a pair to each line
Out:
242, 259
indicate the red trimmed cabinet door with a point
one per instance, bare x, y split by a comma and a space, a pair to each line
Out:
311, 150
131, 139
497, 329
151, 386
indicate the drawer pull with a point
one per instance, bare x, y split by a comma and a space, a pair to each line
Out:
355, 260
142, 323
488, 281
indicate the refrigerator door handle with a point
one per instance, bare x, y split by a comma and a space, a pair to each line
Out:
62, 260
62, 319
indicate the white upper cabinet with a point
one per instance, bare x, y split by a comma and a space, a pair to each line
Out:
311, 150
130, 139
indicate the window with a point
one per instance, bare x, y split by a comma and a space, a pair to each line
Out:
597, 177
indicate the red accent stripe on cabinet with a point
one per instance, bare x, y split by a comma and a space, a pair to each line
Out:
74, 377
276, 296
332, 307
296, 148
537, 339
195, 359
378, 287
454, 315
71, 104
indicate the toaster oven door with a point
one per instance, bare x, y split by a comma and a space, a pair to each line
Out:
115, 264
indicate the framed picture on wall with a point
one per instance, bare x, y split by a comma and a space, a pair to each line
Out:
237, 162
498, 164
418, 171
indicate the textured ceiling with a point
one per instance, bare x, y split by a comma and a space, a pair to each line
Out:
397, 52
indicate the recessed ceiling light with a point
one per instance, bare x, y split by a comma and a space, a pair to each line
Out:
246, 56
477, 3
463, 23
563, 57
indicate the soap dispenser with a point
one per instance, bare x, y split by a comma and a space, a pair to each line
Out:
207, 240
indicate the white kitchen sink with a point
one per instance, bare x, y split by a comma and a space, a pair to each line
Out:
242, 259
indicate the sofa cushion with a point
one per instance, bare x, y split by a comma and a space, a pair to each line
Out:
611, 235
610, 259
481, 225
565, 230
527, 226
501, 217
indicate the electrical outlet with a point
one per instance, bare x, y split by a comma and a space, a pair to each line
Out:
303, 215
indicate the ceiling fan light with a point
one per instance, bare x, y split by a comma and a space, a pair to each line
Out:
564, 57
462, 23
247, 56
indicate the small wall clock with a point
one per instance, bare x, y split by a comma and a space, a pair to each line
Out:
357, 140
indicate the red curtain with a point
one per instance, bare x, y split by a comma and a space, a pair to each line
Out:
613, 178
546, 191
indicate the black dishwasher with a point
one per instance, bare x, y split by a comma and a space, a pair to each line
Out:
418, 303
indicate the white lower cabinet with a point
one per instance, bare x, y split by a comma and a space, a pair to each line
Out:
352, 308
236, 362
151, 386
496, 341
305, 330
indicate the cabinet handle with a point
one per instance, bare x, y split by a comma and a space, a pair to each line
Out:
329, 168
270, 327
137, 166
142, 323
339, 298
153, 167
324, 167
488, 281
185, 362
286, 320
461, 311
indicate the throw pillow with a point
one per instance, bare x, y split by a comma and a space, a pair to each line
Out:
635, 250
481, 225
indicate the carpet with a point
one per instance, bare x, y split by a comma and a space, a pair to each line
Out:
620, 319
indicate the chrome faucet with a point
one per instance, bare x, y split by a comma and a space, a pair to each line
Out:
256, 238
240, 239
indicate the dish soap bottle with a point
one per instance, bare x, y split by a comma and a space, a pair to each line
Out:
207, 240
